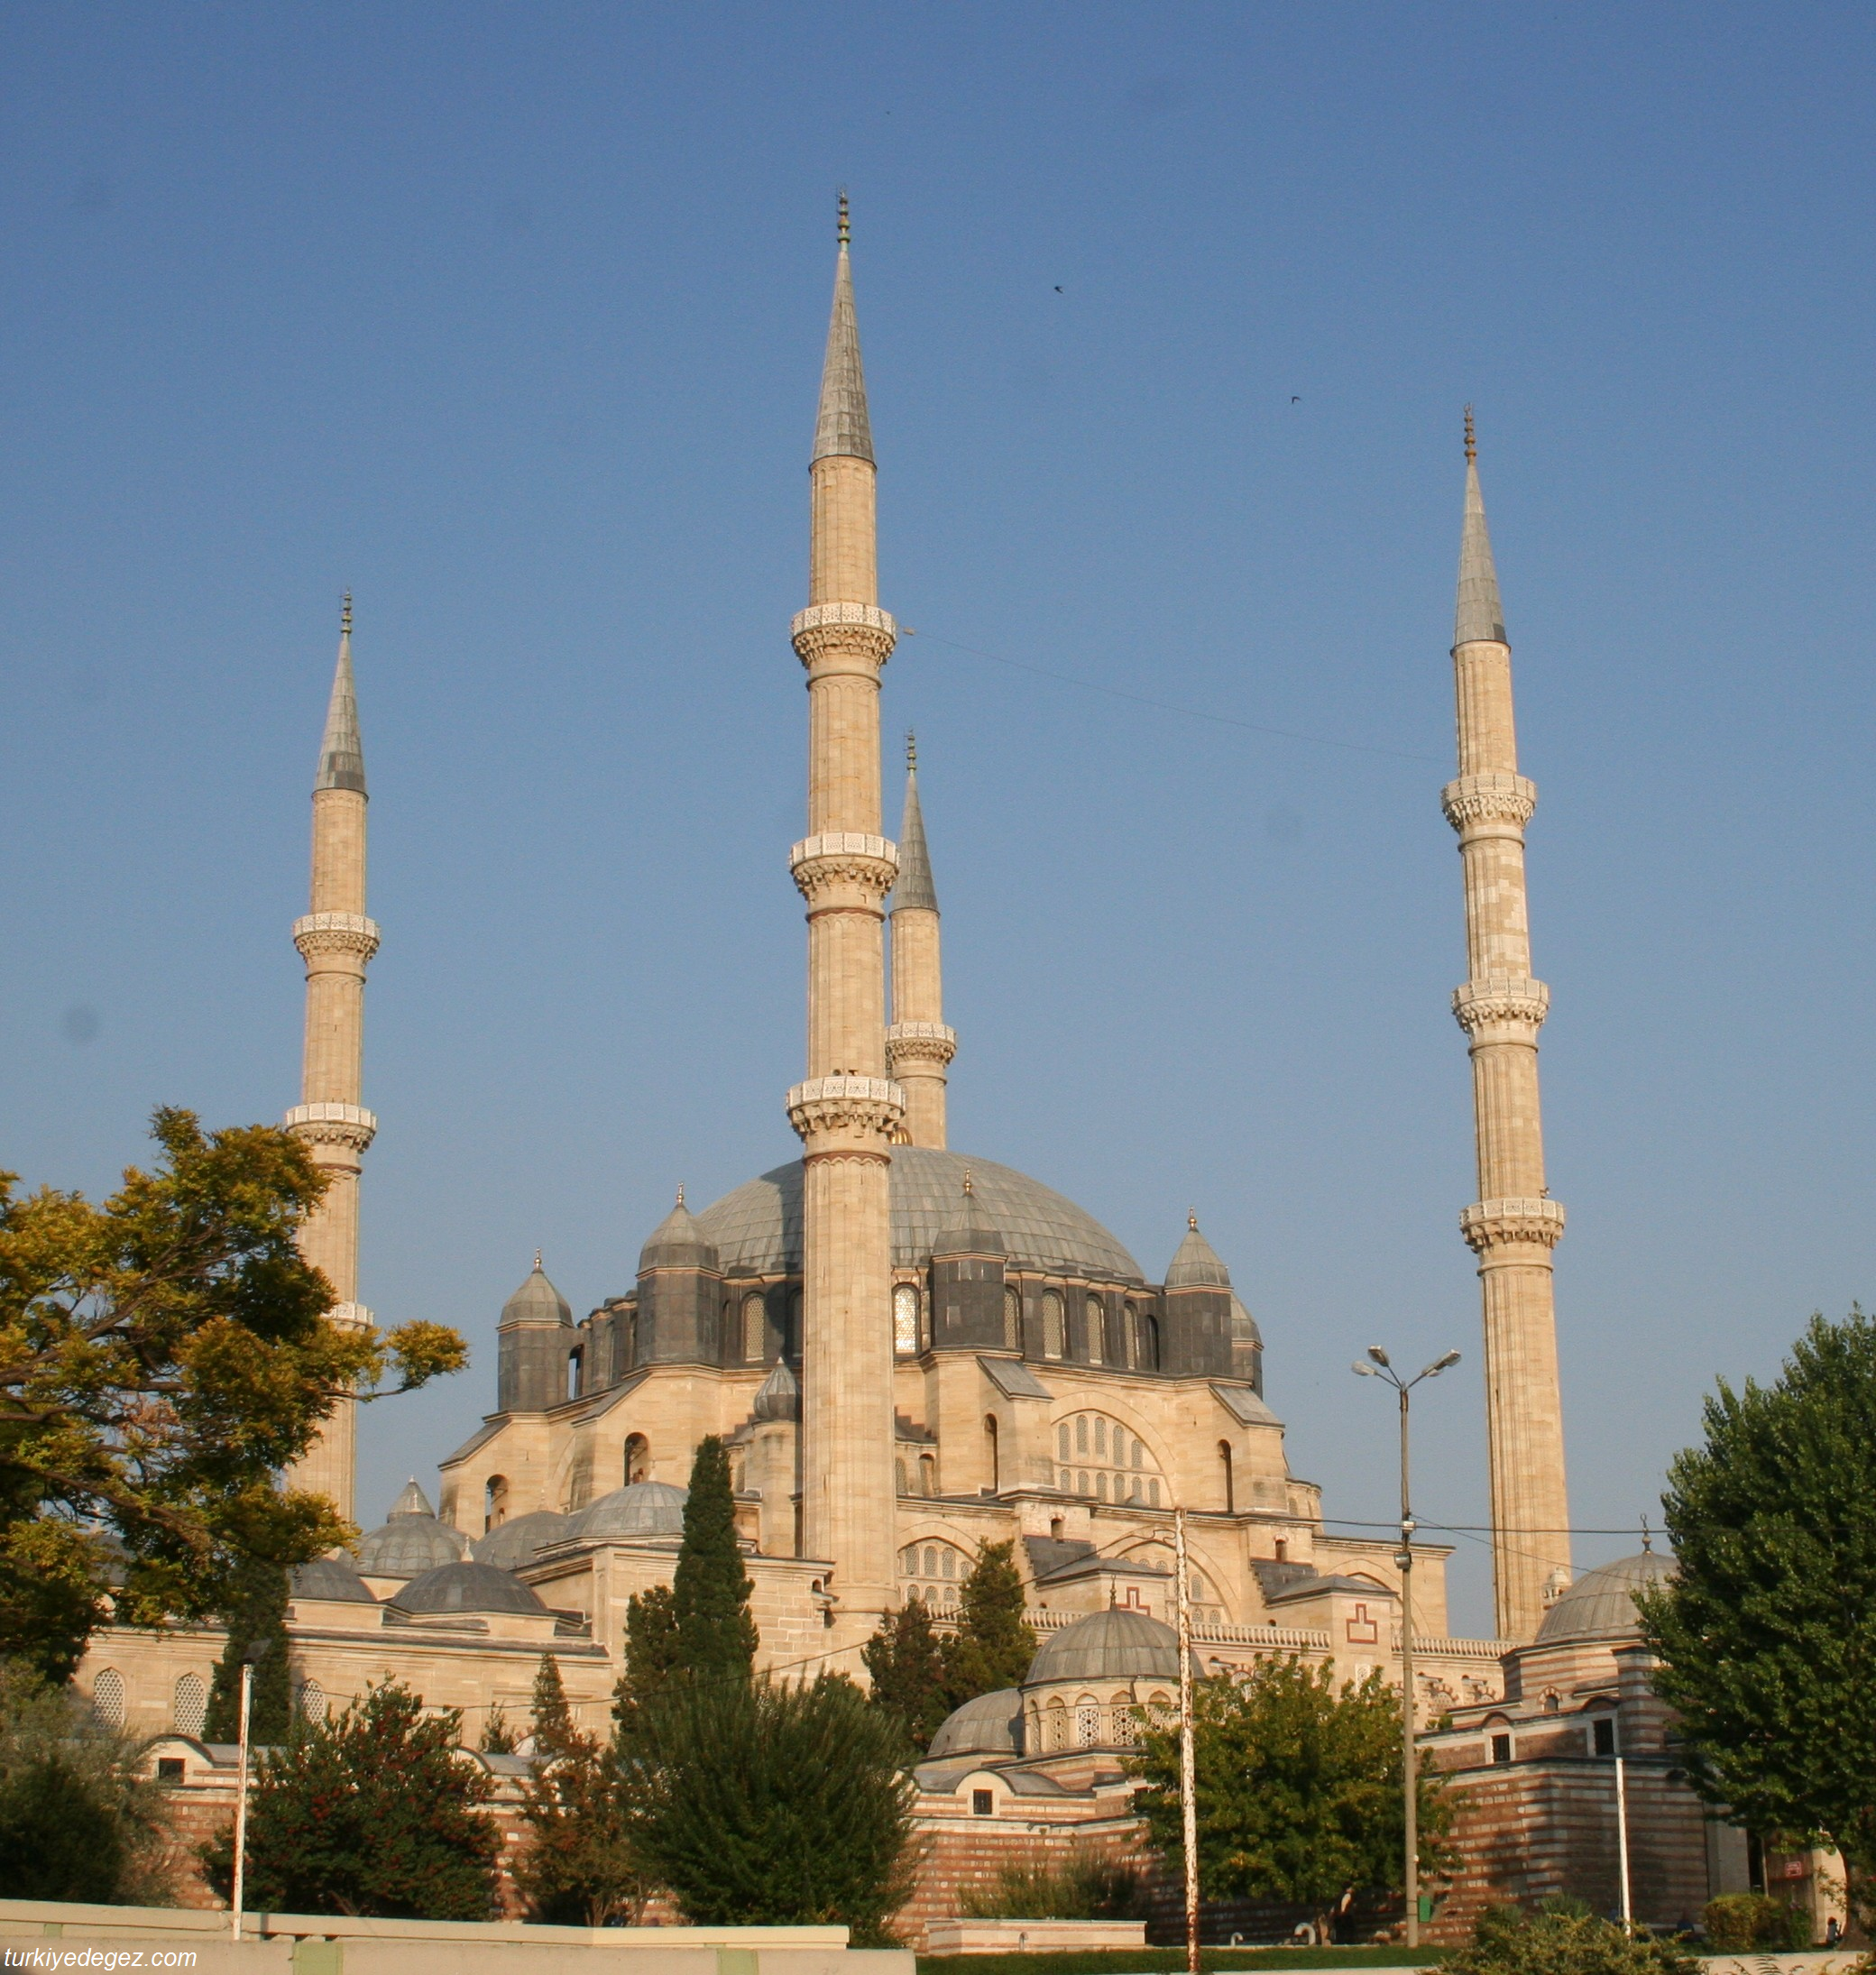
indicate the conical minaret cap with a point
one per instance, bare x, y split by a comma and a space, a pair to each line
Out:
1195, 1263
412, 1501
841, 425
342, 751
536, 1301
915, 887
678, 1242
970, 1231
1480, 614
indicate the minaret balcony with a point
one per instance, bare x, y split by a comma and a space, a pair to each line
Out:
833, 638
349, 933
1498, 1224
844, 867
1499, 1000
348, 1124
934, 1043
834, 1112
1496, 797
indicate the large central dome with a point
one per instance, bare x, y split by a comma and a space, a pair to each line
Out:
757, 1227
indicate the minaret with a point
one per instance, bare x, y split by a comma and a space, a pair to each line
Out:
919, 1045
846, 1110
335, 939
1514, 1225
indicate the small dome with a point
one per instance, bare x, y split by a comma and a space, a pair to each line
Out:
465, 1587
332, 1578
990, 1725
1601, 1603
645, 1509
510, 1545
536, 1301
780, 1396
1110, 1645
411, 1540
1195, 1264
678, 1242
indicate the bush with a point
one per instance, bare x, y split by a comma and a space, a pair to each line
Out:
1735, 1922
1082, 1887
77, 1822
1563, 1937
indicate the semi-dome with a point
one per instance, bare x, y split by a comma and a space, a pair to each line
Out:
757, 1227
1601, 1603
411, 1539
644, 1509
510, 1545
536, 1301
333, 1579
990, 1725
465, 1587
1110, 1645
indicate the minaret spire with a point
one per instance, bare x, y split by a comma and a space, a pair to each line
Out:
336, 942
846, 1110
1514, 1225
918, 1045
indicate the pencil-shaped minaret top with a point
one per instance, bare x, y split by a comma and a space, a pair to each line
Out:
337, 940
846, 1110
919, 1045
1514, 1225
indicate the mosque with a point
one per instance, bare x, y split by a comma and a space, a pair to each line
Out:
911, 1351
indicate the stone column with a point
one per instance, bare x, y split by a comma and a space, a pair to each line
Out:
1514, 1225
336, 942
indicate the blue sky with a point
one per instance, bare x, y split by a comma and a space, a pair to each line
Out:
510, 319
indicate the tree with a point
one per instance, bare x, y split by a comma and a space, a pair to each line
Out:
579, 1869
763, 1804
710, 1590
256, 1621
77, 1821
1767, 1633
993, 1645
1298, 1787
651, 1653
374, 1812
1563, 1937
906, 1662
553, 1720
160, 1358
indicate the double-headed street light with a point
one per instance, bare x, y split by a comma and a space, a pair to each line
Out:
1380, 1367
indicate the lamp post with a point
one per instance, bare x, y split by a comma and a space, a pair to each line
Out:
1378, 1367
254, 1653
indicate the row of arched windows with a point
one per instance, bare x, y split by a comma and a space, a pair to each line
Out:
1091, 1722
1140, 1332
1100, 1458
188, 1703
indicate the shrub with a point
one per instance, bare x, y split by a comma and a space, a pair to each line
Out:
1082, 1887
1563, 1937
1735, 1922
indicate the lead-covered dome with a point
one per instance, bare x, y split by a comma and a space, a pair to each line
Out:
536, 1301
510, 1545
411, 1539
757, 1227
1601, 1603
333, 1579
990, 1725
1110, 1645
465, 1587
644, 1509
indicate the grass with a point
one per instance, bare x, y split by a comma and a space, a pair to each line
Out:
1152, 1961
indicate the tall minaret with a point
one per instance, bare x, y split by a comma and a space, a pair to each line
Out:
847, 1111
335, 939
919, 1045
1514, 1225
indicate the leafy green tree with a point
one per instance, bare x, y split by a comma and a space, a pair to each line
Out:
1563, 1937
651, 1653
710, 1591
579, 1869
553, 1719
1767, 1633
906, 1662
374, 1811
993, 1645
77, 1821
161, 1357
256, 1619
1298, 1787
759, 1804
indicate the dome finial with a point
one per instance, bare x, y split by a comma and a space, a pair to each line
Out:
537, 1269
1191, 1218
1471, 438
1647, 1538
680, 1193
969, 1183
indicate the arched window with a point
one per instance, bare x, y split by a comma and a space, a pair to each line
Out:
928, 1473
191, 1704
1095, 1320
1058, 1723
1130, 1338
1149, 1341
1127, 1730
1088, 1726
904, 1321
990, 1457
1012, 1318
495, 1502
755, 1329
1062, 1445
107, 1697
1052, 1324
638, 1458
310, 1700
573, 1369
899, 1469
1225, 1463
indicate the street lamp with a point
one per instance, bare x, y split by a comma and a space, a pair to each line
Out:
1379, 1366
250, 1659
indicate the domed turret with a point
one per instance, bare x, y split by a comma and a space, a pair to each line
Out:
536, 1301
970, 1231
510, 1545
780, 1395
411, 1539
1601, 1603
534, 1341
678, 1242
680, 1284
645, 1509
1198, 1308
465, 1587
1195, 1264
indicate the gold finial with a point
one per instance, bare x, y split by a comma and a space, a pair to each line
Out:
842, 228
346, 616
680, 1195
537, 1262
1471, 438
911, 752
1191, 1218
1647, 1538
970, 1184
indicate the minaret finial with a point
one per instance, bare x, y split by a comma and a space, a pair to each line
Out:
1471, 438
346, 616
537, 1262
840, 423
842, 227
680, 1194
911, 752
1191, 1218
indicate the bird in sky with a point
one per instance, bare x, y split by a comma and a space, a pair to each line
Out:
1058, 288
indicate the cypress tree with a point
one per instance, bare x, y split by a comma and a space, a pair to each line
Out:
553, 1720
256, 1615
907, 1663
650, 1653
994, 1645
710, 1592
